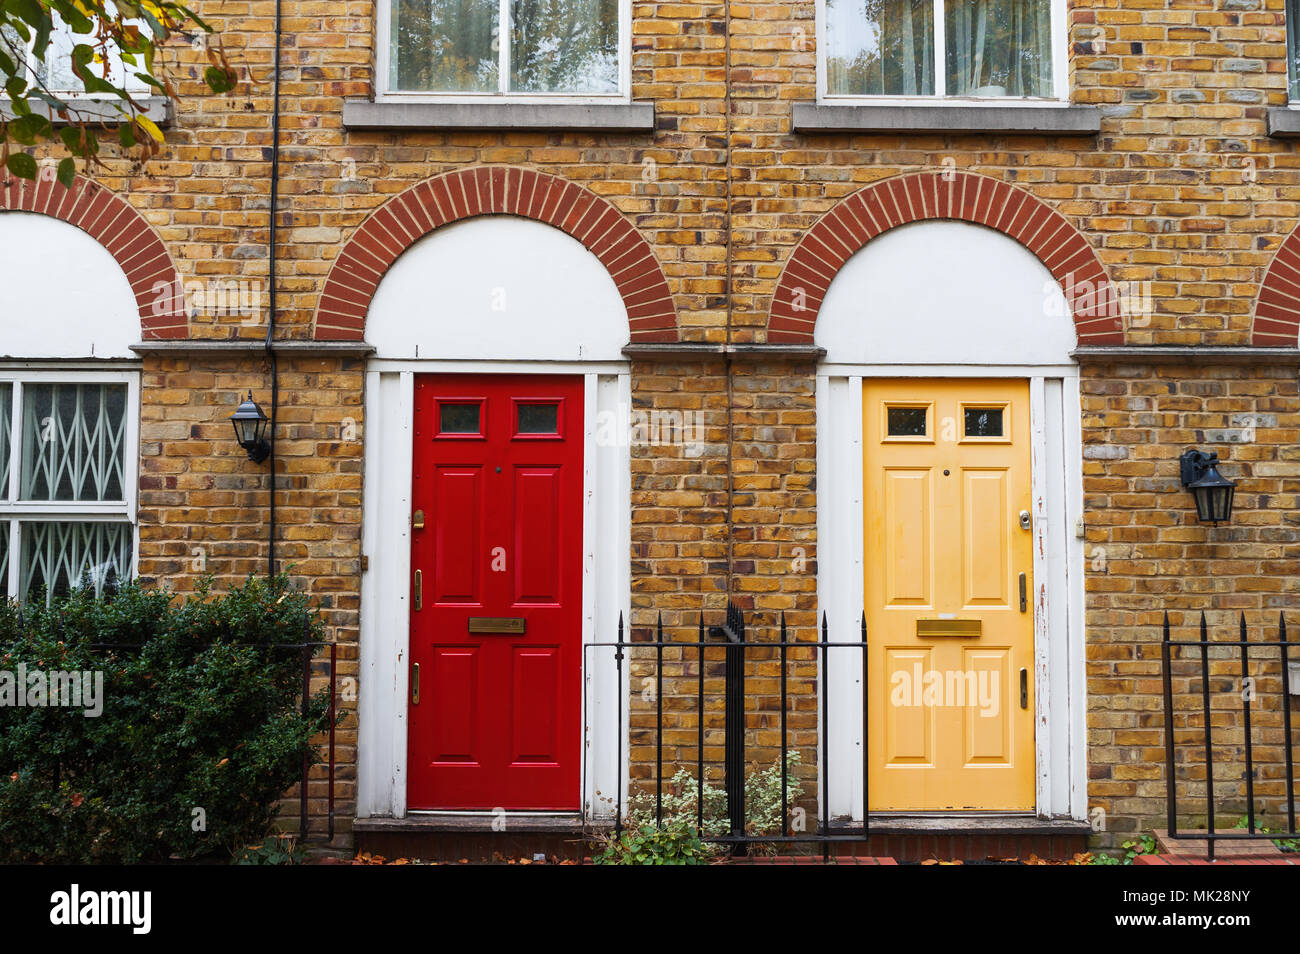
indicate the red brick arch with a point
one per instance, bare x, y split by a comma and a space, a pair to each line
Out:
1277, 309
115, 224
495, 190
962, 196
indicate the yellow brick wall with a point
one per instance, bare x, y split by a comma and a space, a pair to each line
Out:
1182, 189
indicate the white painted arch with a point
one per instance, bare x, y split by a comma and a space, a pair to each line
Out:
942, 292
941, 299
62, 295
498, 287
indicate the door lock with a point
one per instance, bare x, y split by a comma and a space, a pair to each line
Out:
1026, 522
417, 520
418, 590
1024, 593
1024, 688
415, 684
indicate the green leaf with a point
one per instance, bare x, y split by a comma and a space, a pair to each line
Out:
125, 136
67, 171
159, 33
219, 81
32, 125
71, 137
22, 165
29, 11
149, 80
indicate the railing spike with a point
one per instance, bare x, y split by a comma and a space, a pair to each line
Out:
1245, 710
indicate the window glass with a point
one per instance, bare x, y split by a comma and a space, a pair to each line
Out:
73, 441
6, 432
456, 46
61, 555
564, 46
880, 47
4, 558
446, 46
987, 48
54, 70
998, 47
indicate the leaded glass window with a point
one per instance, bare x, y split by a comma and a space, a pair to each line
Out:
67, 466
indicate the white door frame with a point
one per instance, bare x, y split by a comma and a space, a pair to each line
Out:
1057, 489
385, 591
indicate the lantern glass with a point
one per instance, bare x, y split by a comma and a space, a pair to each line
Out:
250, 423
1213, 503
1213, 494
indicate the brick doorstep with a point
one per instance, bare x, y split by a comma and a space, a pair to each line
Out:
1193, 851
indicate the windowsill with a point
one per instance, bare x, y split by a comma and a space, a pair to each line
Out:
586, 117
1284, 121
156, 108
945, 116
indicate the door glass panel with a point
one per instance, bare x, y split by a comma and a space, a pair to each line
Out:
539, 418
984, 422
459, 418
59, 556
906, 421
74, 438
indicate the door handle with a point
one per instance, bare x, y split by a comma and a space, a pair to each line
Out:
1024, 593
1024, 688
418, 593
415, 684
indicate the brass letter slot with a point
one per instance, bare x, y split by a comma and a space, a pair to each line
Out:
497, 624
949, 627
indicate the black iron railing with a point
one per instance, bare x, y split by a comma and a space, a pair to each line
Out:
736, 651
1248, 694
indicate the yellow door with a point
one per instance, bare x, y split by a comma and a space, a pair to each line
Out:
947, 559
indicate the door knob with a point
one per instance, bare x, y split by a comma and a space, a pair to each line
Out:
1025, 520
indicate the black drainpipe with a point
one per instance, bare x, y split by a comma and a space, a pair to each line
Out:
271, 278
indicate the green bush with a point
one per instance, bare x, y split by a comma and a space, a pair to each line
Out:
201, 730
676, 843
762, 804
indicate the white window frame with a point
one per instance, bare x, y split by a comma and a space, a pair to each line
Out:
383, 62
17, 511
940, 97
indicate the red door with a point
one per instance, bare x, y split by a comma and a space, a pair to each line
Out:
496, 624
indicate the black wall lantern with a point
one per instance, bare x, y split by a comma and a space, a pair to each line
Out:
1212, 491
250, 429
